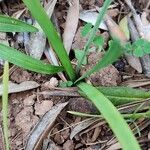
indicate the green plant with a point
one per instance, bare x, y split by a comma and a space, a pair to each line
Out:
8, 24
100, 97
120, 129
139, 48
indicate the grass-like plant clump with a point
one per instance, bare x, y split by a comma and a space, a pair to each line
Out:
105, 99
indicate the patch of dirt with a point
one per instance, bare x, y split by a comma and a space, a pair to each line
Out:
80, 41
81, 105
68, 145
20, 75
26, 109
109, 76
43, 107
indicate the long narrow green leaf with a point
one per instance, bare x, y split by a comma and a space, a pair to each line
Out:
112, 116
114, 52
40, 15
5, 104
92, 35
126, 116
123, 95
8, 24
27, 62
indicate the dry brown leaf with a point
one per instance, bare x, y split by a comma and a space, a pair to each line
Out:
116, 32
71, 25
37, 43
146, 26
19, 13
90, 16
145, 60
81, 126
42, 129
115, 146
68, 145
24, 86
50, 145
49, 7
134, 62
135, 84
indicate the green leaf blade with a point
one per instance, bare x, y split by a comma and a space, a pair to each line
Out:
8, 24
94, 30
78, 56
114, 52
86, 29
123, 95
112, 116
99, 41
34, 6
27, 62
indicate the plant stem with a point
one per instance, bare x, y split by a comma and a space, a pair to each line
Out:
5, 104
126, 116
137, 115
94, 30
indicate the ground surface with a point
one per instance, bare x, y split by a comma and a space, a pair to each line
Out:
28, 107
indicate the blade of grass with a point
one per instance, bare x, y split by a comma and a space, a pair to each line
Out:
8, 24
126, 116
123, 95
94, 30
114, 52
27, 62
40, 15
112, 116
5, 104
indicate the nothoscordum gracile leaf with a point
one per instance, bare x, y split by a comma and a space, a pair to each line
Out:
114, 52
79, 54
40, 15
8, 24
112, 116
99, 41
126, 116
27, 62
86, 29
5, 104
123, 95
